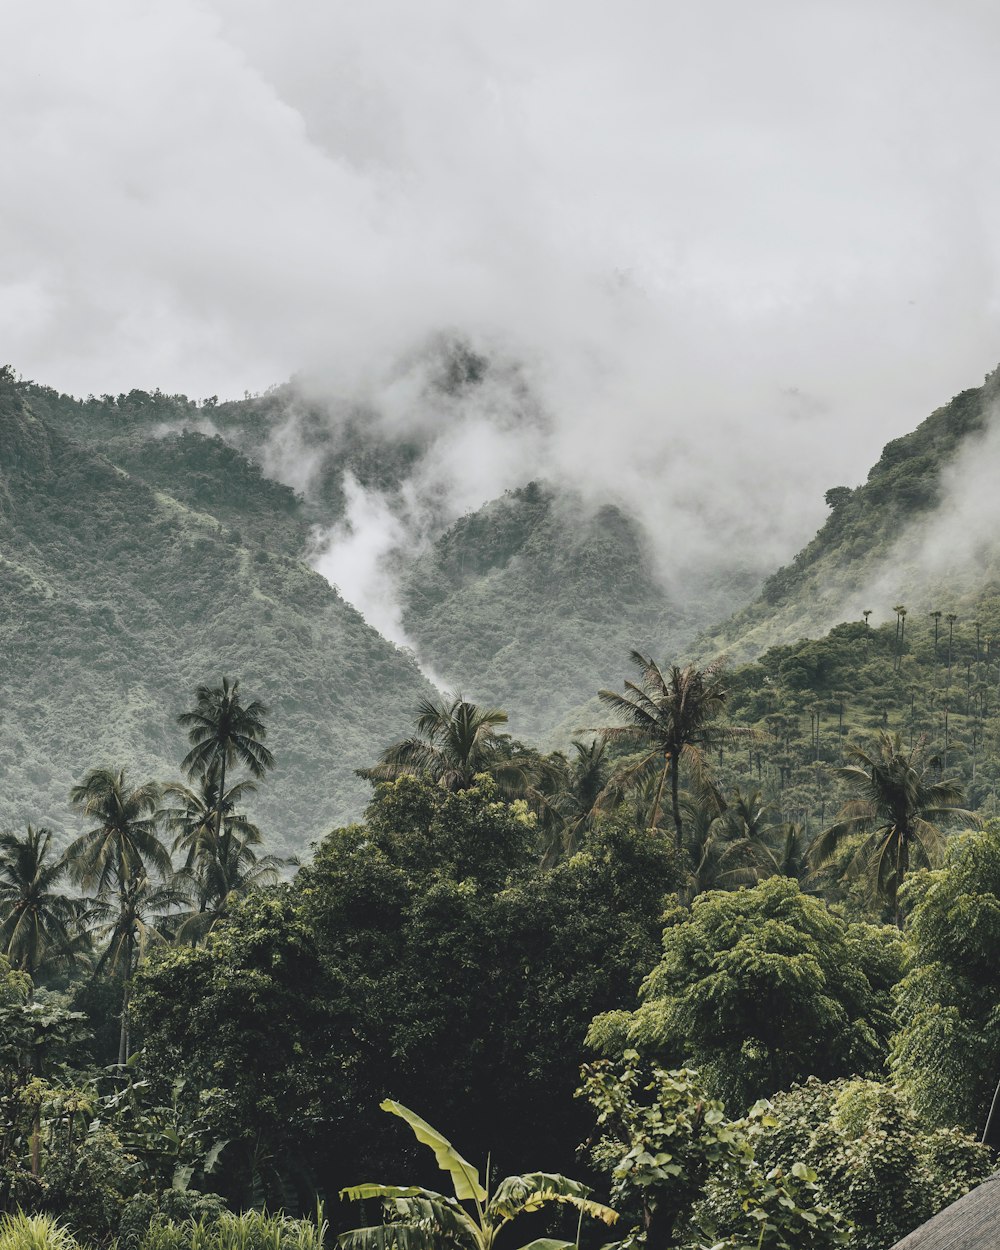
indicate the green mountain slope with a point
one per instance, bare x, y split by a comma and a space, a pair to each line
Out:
873, 550
120, 591
533, 603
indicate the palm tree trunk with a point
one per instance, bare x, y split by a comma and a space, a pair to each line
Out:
675, 800
659, 791
123, 1037
220, 799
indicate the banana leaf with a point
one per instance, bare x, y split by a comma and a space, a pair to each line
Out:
464, 1176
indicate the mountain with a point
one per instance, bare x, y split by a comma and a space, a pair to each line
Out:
888, 619
914, 532
530, 602
131, 574
533, 603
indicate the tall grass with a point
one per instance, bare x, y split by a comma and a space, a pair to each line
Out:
252, 1230
34, 1232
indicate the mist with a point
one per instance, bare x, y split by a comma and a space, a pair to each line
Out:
716, 256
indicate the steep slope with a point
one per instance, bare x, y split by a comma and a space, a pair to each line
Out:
891, 540
534, 602
119, 596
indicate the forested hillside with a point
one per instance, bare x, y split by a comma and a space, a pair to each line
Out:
890, 540
531, 603
127, 583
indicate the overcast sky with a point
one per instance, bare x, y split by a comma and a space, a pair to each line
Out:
721, 234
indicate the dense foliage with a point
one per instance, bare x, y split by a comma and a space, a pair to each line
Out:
760, 905
121, 594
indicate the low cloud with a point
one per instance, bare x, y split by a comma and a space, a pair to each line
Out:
718, 253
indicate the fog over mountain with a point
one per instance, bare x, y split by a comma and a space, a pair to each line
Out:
716, 255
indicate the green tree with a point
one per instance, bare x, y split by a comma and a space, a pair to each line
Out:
423, 954
876, 1162
759, 988
671, 717
114, 859
38, 925
128, 923
946, 1054
124, 840
221, 866
421, 1217
663, 1139
455, 741
224, 732
897, 809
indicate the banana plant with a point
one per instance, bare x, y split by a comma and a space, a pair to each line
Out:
420, 1219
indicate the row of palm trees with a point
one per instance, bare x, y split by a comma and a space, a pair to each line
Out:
671, 718
128, 891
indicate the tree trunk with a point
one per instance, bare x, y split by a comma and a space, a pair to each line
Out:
123, 1037
675, 800
659, 791
219, 800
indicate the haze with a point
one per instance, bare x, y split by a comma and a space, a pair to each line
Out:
731, 248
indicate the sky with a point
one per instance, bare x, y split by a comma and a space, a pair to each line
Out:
732, 248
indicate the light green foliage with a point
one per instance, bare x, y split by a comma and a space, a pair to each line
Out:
876, 1163
19, 1231
946, 1054
418, 1219
251, 1230
759, 988
662, 1138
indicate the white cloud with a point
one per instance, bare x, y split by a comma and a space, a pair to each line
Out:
736, 247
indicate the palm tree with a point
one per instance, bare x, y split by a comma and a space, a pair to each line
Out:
195, 817
669, 717
37, 924
113, 859
454, 741
566, 800
130, 922
224, 871
895, 810
219, 867
223, 732
124, 840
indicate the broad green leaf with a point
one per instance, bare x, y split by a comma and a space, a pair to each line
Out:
549, 1243
182, 1177
533, 1189
356, 1193
389, 1237
464, 1176
212, 1158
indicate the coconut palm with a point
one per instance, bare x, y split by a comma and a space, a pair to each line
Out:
896, 810
224, 732
725, 841
194, 816
128, 923
219, 867
670, 717
225, 874
114, 859
454, 741
38, 925
124, 840
566, 797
